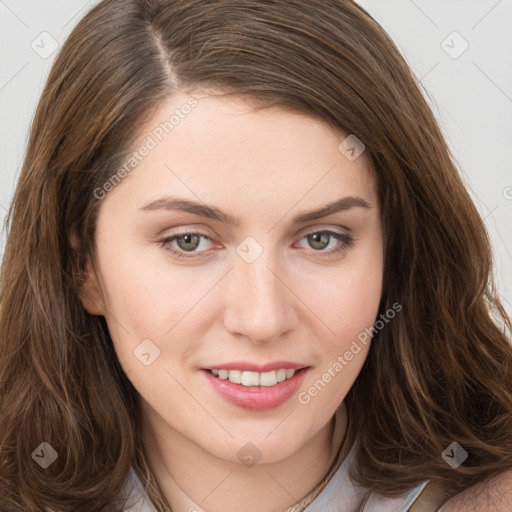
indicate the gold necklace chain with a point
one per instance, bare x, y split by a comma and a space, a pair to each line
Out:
340, 457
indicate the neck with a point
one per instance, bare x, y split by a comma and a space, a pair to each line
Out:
192, 479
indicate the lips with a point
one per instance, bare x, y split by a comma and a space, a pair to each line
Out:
260, 368
256, 387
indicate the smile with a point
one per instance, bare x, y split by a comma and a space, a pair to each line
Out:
247, 378
253, 390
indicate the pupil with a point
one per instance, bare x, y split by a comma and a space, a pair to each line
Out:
317, 239
189, 239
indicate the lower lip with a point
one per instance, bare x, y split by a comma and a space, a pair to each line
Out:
257, 398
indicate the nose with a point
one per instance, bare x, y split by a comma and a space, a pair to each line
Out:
259, 303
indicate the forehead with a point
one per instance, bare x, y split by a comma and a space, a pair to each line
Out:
222, 150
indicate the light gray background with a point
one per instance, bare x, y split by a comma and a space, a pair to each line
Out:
471, 93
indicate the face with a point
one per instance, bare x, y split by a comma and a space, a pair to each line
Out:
232, 307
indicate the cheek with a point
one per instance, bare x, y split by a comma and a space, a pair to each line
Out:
349, 303
151, 300
348, 309
142, 291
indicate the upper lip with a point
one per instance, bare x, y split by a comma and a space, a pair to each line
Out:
260, 368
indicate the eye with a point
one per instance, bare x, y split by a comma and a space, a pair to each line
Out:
187, 242
320, 240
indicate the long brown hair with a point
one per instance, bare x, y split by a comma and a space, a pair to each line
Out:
440, 372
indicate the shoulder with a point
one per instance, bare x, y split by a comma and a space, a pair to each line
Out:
494, 495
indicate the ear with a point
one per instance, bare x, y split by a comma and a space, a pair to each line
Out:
88, 288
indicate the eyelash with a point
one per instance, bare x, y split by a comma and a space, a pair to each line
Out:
347, 243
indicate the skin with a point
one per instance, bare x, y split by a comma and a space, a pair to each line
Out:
295, 302
494, 495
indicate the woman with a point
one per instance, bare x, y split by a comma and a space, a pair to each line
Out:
242, 273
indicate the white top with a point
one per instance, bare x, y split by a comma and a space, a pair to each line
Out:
339, 495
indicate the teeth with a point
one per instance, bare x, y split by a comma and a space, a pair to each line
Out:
250, 379
266, 379
235, 376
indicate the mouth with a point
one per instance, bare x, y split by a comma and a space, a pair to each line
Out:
250, 378
245, 387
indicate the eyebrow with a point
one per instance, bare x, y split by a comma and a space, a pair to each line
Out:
214, 213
